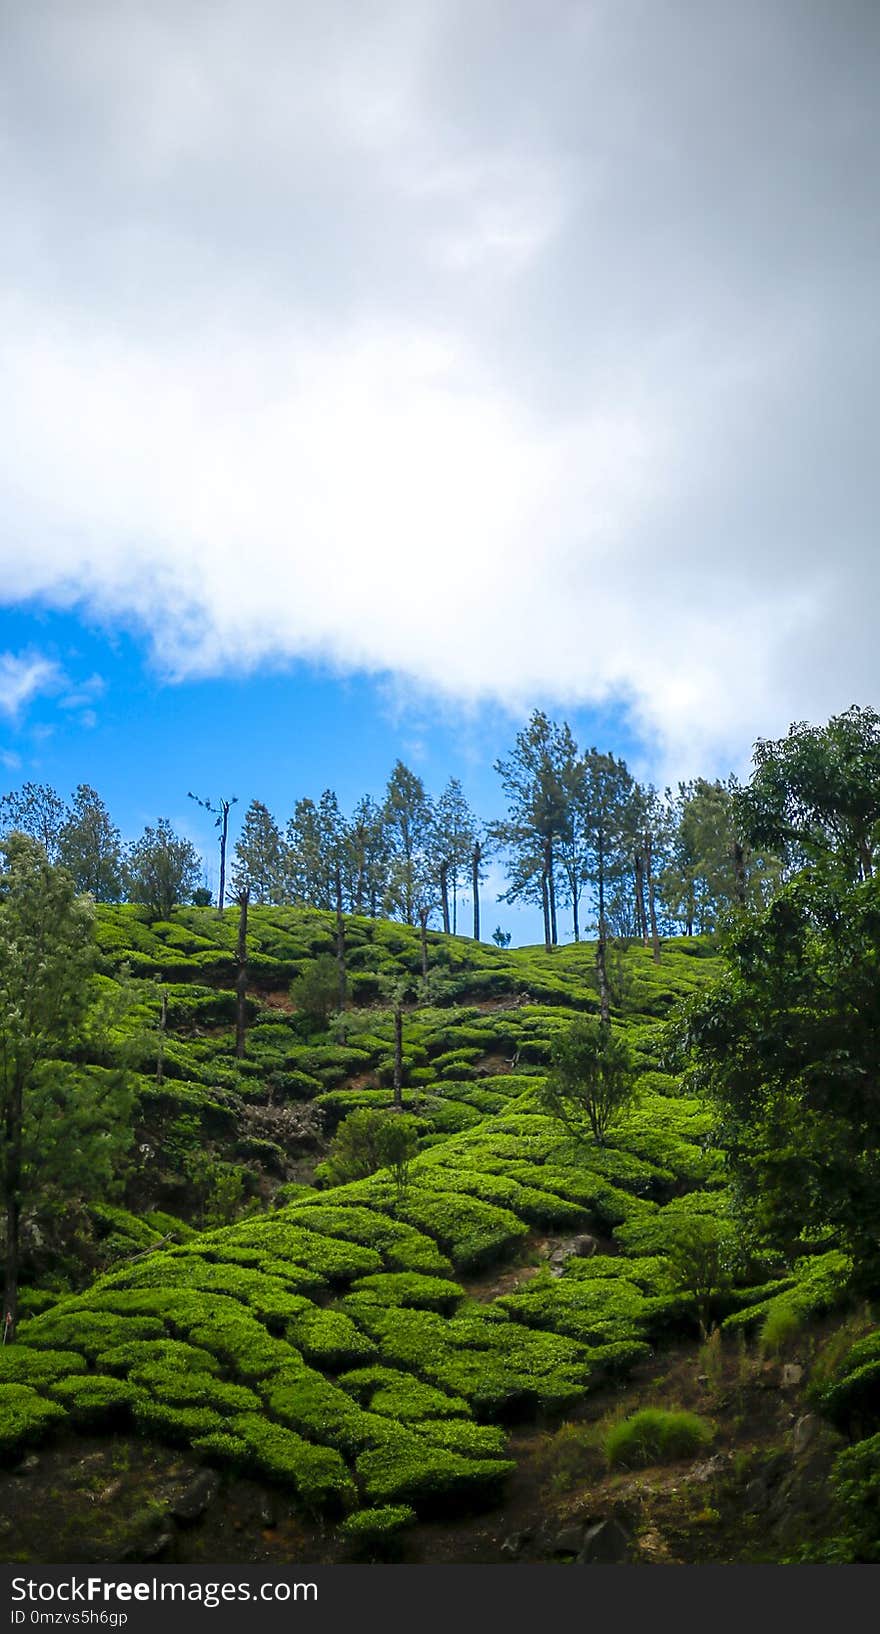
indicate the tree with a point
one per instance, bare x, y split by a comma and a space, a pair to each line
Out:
259, 857
355, 1150
90, 847
533, 777
306, 877
63, 1128
315, 991
702, 1250
162, 869
500, 937
397, 1144
408, 822
367, 858
456, 834
786, 1045
815, 794
221, 812
591, 1078
37, 810
605, 790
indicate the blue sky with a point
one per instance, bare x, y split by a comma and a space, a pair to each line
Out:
104, 715
372, 373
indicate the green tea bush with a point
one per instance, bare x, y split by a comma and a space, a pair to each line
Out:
656, 1435
400, 1396
96, 1400
25, 1417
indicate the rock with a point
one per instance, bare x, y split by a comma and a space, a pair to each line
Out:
581, 1247
195, 1498
513, 1545
756, 1495
711, 1468
605, 1544
154, 1547
568, 1542
804, 1434
792, 1373
28, 1465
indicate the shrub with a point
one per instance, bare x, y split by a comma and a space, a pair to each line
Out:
656, 1436
315, 992
373, 1529
25, 1417
96, 1399
781, 1326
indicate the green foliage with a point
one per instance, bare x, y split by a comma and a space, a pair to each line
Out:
25, 1417
656, 1436
591, 1079
315, 992
162, 869
370, 1529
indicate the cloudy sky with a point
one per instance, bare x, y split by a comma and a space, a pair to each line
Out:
456, 355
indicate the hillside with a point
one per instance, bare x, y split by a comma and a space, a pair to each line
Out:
361, 1365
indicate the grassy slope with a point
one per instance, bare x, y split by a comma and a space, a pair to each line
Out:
331, 1344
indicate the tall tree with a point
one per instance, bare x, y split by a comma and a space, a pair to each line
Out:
367, 858
221, 812
59, 1127
259, 857
815, 794
408, 822
533, 779
456, 833
37, 810
307, 877
162, 869
90, 847
605, 794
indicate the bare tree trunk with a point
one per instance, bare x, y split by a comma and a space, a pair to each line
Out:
575, 907
545, 907
601, 964
241, 976
12, 1186
398, 1055
224, 829
551, 890
454, 901
652, 906
475, 870
423, 936
340, 940
444, 894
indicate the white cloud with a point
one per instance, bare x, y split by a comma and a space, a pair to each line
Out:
447, 346
24, 676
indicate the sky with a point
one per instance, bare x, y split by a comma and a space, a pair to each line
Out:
374, 373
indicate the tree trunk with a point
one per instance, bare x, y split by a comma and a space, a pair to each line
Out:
454, 901
641, 916
340, 940
398, 1056
444, 894
241, 976
423, 936
652, 906
739, 873
224, 828
475, 868
12, 1185
575, 906
545, 907
601, 965
551, 892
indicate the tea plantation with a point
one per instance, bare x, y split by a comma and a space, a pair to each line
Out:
336, 1339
